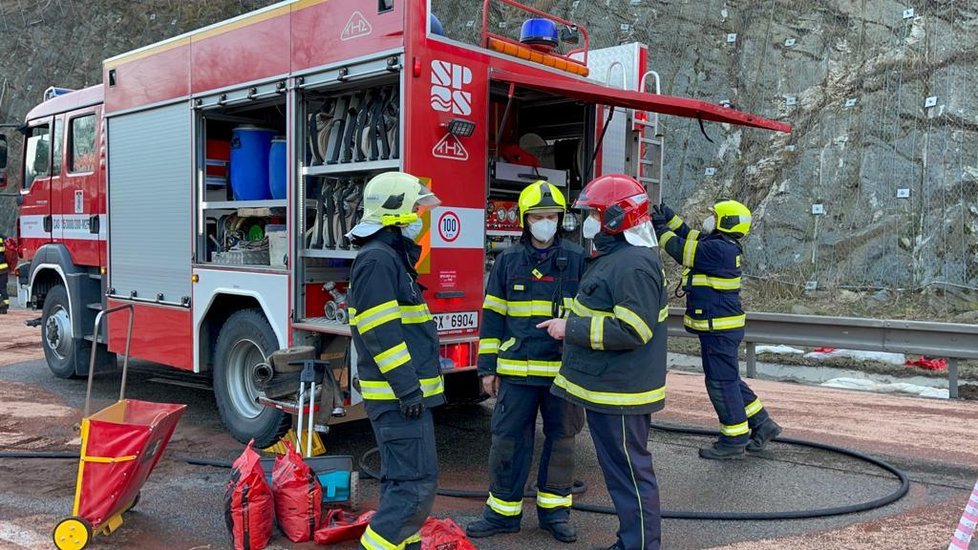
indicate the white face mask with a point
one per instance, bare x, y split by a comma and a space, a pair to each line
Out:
709, 224
591, 227
412, 230
543, 230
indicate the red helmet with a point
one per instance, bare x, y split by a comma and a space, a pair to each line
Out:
621, 201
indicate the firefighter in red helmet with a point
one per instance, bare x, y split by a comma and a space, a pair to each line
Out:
614, 359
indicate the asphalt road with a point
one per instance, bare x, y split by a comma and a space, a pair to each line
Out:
182, 505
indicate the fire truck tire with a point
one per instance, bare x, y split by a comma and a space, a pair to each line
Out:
245, 341
67, 354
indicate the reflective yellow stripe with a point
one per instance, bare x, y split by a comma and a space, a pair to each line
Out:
393, 358
380, 390
719, 323
505, 508
633, 320
694, 234
488, 346
597, 333
675, 223
754, 408
3, 266
666, 237
663, 314
372, 541
550, 500
411, 315
531, 367
718, 283
492, 303
108, 459
530, 308
507, 344
689, 251
412, 539
610, 398
376, 316
583, 311
734, 430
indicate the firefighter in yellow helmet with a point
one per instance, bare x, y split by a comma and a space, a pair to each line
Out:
711, 281
529, 283
5, 269
397, 356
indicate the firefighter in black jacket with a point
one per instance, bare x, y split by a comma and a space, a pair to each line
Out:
614, 360
529, 283
397, 356
4, 271
711, 282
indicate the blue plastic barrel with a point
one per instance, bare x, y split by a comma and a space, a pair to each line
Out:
250, 146
276, 168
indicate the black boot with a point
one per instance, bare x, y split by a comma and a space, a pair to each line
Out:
561, 530
719, 451
482, 528
762, 435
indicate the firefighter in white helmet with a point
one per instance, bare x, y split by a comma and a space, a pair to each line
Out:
529, 283
397, 356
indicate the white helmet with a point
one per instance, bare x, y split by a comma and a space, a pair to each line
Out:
392, 198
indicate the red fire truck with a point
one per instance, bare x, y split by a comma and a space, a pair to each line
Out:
210, 179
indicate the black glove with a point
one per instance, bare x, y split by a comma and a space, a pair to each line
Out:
659, 218
667, 212
412, 406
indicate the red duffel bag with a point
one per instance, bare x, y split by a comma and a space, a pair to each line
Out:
248, 508
339, 526
444, 534
298, 496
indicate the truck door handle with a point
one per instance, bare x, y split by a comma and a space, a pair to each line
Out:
48, 222
93, 224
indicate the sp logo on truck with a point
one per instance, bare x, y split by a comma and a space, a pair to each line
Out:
448, 82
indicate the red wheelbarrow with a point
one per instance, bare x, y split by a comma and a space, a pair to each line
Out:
120, 446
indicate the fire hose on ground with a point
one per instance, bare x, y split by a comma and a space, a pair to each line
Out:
580, 487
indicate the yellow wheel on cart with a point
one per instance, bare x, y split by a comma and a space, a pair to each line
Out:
72, 533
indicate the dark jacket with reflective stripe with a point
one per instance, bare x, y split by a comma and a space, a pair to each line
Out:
523, 287
394, 334
615, 346
711, 278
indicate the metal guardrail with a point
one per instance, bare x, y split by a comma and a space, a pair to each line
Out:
950, 340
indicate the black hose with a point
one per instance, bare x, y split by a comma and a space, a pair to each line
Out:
716, 516
40, 454
580, 487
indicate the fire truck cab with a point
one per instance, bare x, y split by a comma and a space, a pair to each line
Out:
211, 178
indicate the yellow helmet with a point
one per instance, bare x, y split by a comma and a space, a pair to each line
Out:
541, 196
733, 218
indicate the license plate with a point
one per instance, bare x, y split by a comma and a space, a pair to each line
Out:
464, 320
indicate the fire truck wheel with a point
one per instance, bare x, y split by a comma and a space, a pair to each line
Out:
62, 350
245, 341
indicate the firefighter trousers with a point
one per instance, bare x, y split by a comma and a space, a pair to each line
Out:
622, 446
737, 407
511, 455
408, 480
4, 298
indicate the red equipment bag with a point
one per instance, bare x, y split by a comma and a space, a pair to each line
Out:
339, 526
444, 534
298, 496
248, 508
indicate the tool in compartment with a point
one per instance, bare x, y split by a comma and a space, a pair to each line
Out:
336, 129
350, 128
362, 130
392, 121
329, 192
336, 308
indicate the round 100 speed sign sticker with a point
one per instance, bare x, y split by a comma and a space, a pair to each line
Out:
449, 226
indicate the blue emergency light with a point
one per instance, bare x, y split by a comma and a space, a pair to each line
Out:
540, 33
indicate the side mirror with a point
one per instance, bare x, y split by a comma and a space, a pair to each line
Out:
3, 161
570, 35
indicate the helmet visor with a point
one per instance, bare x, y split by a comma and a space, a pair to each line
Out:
426, 200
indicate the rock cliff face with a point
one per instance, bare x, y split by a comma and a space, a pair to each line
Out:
880, 94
